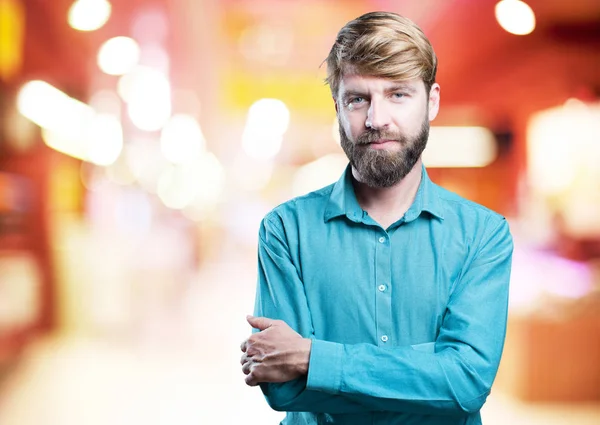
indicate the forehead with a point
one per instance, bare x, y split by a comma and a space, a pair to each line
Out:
365, 83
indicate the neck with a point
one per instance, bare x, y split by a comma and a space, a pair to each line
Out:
388, 204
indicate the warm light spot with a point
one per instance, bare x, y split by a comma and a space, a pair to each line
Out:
563, 156
461, 147
209, 188
70, 142
182, 139
210, 183
267, 122
12, 38
148, 95
319, 173
104, 139
118, 55
89, 15
99, 141
70, 126
515, 16
49, 107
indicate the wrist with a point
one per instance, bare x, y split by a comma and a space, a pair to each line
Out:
304, 356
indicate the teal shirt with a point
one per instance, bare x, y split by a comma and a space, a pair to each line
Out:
407, 323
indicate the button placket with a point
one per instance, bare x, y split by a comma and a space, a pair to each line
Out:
382, 288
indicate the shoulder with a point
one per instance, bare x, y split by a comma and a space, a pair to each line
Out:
459, 208
312, 206
473, 223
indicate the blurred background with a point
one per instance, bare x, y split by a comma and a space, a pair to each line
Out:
142, 141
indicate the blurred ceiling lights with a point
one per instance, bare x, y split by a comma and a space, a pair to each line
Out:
515, 16
89, 15
70, 126
118, 55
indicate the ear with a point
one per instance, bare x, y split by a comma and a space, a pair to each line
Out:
434, 101
335, 103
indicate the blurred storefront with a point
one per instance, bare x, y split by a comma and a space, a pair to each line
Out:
141, 142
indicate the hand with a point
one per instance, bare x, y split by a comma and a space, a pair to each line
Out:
275, 354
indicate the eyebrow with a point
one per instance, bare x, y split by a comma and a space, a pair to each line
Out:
354, 93
392, 89
401, 87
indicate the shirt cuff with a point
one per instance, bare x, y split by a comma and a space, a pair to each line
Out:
325, 367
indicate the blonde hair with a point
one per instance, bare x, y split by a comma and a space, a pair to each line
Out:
384, 45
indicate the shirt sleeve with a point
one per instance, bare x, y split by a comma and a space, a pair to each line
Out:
456, 376
280, 295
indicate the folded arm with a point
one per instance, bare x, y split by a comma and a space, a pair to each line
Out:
454, 378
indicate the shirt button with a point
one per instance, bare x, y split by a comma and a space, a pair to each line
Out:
384, 338
381, 288
382, 239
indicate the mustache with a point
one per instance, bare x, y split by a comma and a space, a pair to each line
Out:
370, 136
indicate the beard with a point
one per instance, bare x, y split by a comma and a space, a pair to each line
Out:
381, 168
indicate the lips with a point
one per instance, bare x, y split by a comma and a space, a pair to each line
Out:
382, 141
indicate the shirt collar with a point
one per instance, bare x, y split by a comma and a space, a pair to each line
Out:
342, 200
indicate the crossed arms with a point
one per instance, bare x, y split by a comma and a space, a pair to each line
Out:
298, 372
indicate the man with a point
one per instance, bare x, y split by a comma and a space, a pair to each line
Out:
382, 299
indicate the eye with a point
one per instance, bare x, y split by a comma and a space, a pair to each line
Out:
398, 95
356, 100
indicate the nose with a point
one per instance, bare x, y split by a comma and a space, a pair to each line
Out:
378, 115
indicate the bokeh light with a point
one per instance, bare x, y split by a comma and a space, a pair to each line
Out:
515, 16
147, 93
267, 122
89, 15
118, 55
49, 107
104, 139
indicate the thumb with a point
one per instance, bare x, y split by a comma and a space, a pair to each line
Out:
260, 323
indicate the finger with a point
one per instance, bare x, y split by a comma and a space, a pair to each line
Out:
251, 380
260, 323
245, 358
244, 345
246, 368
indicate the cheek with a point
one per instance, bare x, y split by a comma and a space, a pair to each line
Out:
412, 121
353, 125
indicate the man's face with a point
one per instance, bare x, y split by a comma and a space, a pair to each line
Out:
384, 126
